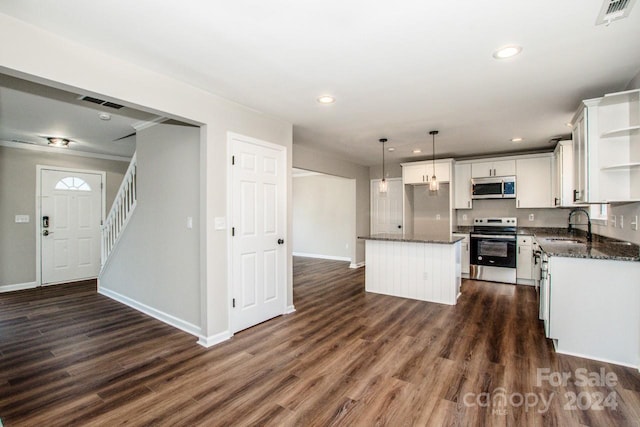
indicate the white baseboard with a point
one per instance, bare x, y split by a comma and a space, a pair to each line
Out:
155, 313
214, 339
599, 359
18, 286
356, 265
290, 309
331, 257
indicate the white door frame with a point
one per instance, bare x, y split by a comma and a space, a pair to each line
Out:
231, 136
38, 218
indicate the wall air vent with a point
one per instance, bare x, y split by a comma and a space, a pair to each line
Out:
612, 10
101, 102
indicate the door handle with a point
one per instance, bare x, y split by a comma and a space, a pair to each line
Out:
46, 232
280, 241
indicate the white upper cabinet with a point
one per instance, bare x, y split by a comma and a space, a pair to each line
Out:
421, 172
606, 148
533, 182
562, 175
493, 168
463, 186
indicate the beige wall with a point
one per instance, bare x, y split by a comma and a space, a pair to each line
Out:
629, 211
68, 65
156, 262
324, 216
635, 82
391, 170
18, 196
313, 160
507, 208
427, 206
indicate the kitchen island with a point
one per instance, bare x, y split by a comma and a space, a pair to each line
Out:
425, 267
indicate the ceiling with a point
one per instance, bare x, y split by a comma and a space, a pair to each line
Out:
30, 112
397, 70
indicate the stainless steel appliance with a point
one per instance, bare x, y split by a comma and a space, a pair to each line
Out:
496, 187
493, 249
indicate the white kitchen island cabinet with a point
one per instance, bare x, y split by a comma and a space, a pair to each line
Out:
421, 267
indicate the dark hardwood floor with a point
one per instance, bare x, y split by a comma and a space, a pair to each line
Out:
69, 356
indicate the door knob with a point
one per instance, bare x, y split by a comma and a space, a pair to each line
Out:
280, 241
47, 232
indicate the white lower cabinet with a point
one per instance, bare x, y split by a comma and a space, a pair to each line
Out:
524, 261
464, 253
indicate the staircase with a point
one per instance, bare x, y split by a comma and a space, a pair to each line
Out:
123, 206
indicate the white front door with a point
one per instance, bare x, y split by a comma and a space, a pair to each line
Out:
386, 211
258, 204
70, 215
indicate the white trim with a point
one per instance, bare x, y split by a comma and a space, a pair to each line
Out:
103, 191
65, 151
150, 311
18, 286
145, 124
356, 264
214, 339
321, 256
590, 357
300, 173
290, 309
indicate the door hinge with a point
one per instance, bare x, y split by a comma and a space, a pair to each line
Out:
233, 303
233, 231
233, 160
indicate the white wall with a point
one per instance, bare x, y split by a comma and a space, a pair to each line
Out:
18, 196
157, 260
313, 160
324, 216
46, 58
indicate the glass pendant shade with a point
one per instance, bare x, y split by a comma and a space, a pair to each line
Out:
383, 187
434, 185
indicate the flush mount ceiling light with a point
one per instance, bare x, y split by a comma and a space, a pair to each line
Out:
417, 151
434, 185
507, 51
382, 188
391, 149
326, 99
58, 142
104, 116
517, 139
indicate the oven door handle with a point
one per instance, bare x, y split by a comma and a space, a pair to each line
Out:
494, 236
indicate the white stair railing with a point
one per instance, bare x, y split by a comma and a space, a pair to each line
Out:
123, 206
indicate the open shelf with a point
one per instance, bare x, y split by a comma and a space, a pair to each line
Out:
621, 167
625, 131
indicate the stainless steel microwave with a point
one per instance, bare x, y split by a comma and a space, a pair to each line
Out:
495, 187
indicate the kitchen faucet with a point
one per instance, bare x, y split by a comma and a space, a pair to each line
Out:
588, 224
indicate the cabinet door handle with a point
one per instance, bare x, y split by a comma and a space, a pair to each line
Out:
518, 249
518, 203
555, 201
575, 195
468, 203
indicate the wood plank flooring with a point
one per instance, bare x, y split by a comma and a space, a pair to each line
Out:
69, 356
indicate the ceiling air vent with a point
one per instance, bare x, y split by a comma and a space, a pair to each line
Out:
101, 102
612, 10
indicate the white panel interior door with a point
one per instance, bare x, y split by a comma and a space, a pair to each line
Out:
70, 215
259, 232
386, 211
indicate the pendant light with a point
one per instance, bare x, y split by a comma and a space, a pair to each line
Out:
382, 188
434, 185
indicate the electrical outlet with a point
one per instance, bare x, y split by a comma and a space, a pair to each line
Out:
613, 221
621, 221
634, 223
531, 217
438, 216
464, 217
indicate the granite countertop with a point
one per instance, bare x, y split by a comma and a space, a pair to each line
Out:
463, 229
559, 242
436, 237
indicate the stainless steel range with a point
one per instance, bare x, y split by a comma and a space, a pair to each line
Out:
493, 249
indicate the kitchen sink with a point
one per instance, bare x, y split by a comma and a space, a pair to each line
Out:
562, 240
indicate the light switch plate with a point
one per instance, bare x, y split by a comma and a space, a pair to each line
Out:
189, 222
22, 219
220, 223
531, 217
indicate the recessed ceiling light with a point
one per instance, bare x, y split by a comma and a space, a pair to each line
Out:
58, 142
417, 151
104, 116
391, 149
507, 52
517, 139
326, 99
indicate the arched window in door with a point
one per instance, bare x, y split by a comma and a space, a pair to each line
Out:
72, 183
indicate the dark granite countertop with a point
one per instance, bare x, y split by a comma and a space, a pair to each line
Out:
463, 229
436, 237
559, 242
